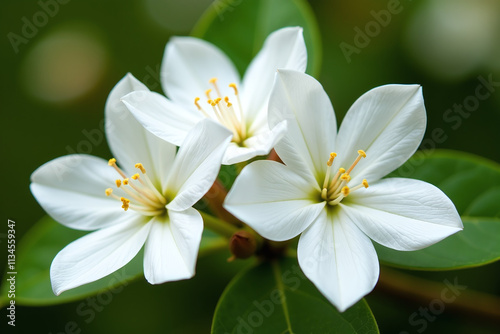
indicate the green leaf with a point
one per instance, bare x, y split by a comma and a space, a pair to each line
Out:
239, 28
276, 297
36, 250
473, 184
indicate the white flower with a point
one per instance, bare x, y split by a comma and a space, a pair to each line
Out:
195, 72
146, 201
323, 195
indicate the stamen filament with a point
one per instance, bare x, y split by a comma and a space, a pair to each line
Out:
362, 154
213, 81
200, 108
242, 116
112, 163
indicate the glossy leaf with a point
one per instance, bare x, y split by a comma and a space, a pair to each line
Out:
239, 27
275, 297
473, 184
39, 246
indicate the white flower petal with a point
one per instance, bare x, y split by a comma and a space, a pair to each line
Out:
338, 258
172, 246
285, 48
97, 255
197, 164
388, 123
71, 189
259, 144
188, 65
165, 119
127, 138
273, 200
300, 100
403, 214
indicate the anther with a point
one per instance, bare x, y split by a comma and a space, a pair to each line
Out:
345, 191
112, 162
118, 183
135, 176
126, 203
196, 99
125, 181
207, 93
365, 183
141, 167
109, 191
233, 86
346, 177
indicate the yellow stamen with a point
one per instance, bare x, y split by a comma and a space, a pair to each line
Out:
196, 99
363, 184
233, 86
112, 162
126, 203
327, 176
213, 81
135, 176
207, 93
118, 183
346, 177
345, 191
362, 154
125, 181
109, 191
141, 167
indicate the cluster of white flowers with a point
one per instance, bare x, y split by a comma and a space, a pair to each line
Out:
329, 187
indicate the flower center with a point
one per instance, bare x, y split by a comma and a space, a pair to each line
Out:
225, 112
142, 195
336, 189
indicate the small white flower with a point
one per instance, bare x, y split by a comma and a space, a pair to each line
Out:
325, 196
195, 72
146, 201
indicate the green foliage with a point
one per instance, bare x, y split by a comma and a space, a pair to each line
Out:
473, 184
276, 297
239, 27
39, 246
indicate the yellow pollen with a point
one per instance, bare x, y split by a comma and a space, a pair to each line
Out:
226, 99
330, 160
135, 176
365, 183
210, 101
229, 104
362, 153
141, 167
217, 100
213, 80
196, 99
125, 181
112, 162
233, 86
342, 170
346, 177
109, 191
207, 93
126, 203
345, 191
118, 183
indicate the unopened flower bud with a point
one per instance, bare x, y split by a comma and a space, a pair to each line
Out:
242, 245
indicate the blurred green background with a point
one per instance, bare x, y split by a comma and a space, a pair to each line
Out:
57, 70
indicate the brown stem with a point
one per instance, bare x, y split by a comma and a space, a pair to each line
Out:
451, 293
214, 198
